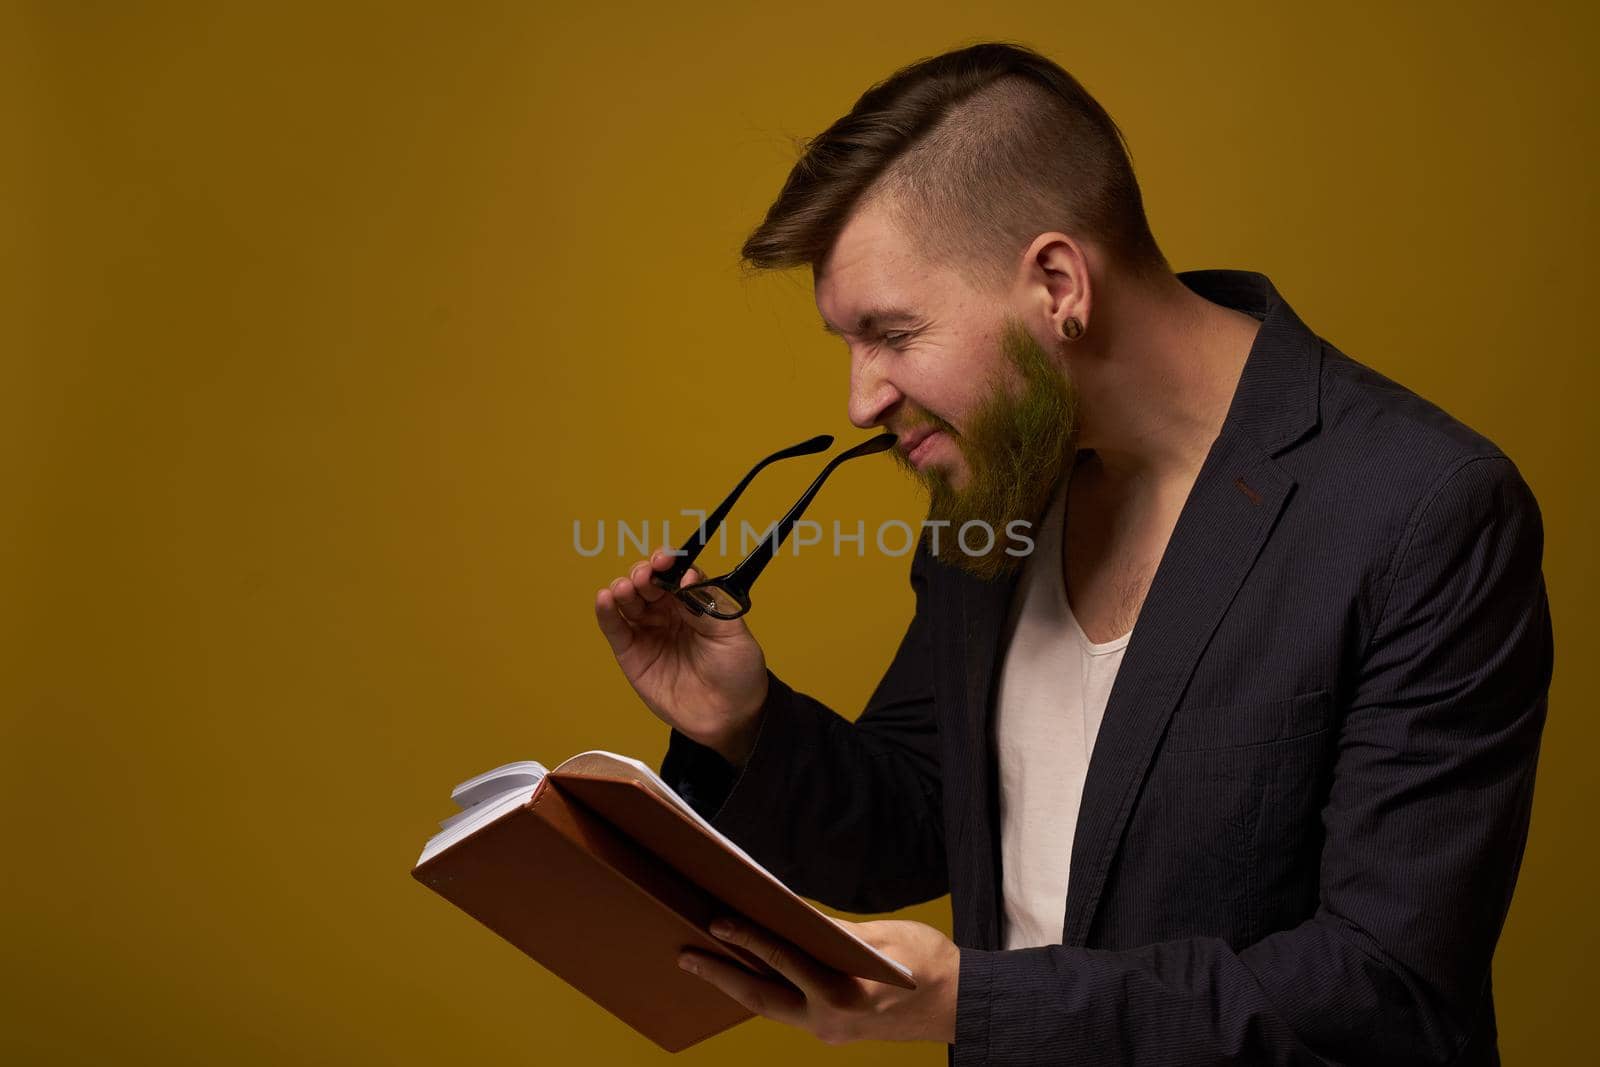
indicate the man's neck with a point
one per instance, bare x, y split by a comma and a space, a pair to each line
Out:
1157, 386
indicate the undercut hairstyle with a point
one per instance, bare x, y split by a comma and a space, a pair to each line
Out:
973, 153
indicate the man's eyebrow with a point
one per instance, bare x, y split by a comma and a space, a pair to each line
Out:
873, 317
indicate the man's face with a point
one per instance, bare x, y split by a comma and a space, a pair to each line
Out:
986, 416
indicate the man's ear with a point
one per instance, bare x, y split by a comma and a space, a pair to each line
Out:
1055, 281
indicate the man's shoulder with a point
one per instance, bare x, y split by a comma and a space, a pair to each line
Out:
1362, 406
1385, 459
1393, 443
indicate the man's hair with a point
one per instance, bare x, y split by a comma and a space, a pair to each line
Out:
974, 152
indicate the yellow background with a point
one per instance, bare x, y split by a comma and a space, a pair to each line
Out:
324, 322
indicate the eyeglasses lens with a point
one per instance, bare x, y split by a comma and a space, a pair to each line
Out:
713, 600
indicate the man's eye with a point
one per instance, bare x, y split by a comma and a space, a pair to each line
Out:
895, 340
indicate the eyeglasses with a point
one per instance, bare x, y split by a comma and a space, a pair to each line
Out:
728, 597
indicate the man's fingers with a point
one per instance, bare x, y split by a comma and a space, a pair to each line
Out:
810, 976
639, 575
629, 603
760, 995
618, 633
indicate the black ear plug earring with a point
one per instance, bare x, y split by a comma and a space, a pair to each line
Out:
1072, 329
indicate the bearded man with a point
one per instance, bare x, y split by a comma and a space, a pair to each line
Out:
1237, 764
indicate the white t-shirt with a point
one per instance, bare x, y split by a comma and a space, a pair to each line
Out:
1054, 683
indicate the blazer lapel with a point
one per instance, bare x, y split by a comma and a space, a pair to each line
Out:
1230, 512
1235, 501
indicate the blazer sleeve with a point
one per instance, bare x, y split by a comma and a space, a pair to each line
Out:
849, 814
1425, 824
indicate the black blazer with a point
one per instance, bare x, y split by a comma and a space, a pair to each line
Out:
1310, 792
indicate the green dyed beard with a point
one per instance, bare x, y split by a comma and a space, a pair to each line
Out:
1016, 446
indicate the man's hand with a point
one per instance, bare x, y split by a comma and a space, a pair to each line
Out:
837, 1008
706, 677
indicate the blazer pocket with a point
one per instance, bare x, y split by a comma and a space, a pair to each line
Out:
1234, 725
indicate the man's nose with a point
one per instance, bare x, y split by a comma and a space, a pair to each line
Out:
871, 392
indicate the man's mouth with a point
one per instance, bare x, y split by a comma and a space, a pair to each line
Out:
917, 444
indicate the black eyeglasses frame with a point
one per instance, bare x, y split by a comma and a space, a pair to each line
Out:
728, 596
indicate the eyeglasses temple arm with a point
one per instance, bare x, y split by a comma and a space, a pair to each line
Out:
744, 575
685, 556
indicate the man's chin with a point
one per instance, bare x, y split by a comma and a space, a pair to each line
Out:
953, 476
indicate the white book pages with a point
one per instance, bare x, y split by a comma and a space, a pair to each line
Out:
502, 779
482, 800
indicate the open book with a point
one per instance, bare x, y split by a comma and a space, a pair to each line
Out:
602, 873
